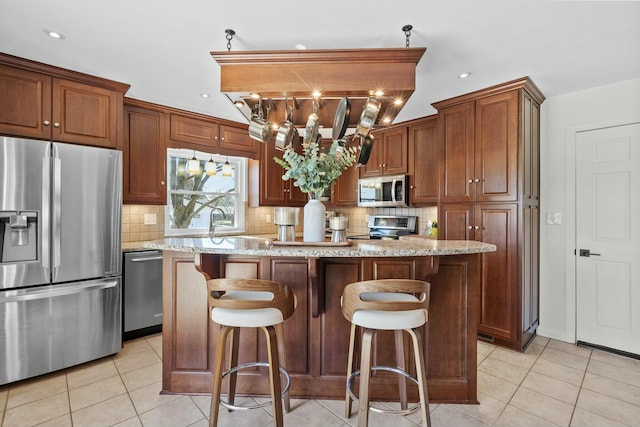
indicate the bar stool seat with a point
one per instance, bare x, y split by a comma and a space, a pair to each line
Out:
249, 303
388, 304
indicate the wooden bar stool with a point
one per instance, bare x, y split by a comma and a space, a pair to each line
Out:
250, 303
388, 304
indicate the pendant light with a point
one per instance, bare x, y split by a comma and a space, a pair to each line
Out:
211, 167
194, 165
226, 168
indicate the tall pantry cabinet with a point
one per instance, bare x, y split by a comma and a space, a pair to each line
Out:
489, 191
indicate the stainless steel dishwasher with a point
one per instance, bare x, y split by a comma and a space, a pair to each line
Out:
142, 293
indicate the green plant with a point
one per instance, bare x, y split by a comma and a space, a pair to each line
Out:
315, 169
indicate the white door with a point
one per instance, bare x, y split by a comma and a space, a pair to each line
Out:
608, 237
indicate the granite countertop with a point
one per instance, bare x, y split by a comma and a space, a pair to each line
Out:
261, 246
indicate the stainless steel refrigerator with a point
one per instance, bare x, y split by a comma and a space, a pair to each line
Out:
60, 256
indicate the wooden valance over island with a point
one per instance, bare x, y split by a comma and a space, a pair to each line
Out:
317, 335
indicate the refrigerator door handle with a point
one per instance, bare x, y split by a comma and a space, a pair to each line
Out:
45, 219
57, 291
57, 207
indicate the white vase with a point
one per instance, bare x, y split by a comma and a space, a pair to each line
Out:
314, 222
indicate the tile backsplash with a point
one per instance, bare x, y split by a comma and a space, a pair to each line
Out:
257, 220
134, 228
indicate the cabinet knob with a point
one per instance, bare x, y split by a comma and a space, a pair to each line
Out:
477, 227
471, 227
412, 187
470, 181
46, 123
477, 180
56, 125
222, 139
161, 182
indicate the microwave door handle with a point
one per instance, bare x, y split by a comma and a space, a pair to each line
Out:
393, 190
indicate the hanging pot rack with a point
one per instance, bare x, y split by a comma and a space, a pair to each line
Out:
387, 74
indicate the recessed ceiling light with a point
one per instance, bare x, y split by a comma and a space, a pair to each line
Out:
54, 34
300, 46
398, 101
255, 96
464, 75
316, 94
204, 95
379, 92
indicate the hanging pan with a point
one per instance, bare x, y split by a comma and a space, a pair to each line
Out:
368, 117
366, 145
341, 120
287, 131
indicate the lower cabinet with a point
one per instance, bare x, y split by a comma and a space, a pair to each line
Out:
509, 284
317, 335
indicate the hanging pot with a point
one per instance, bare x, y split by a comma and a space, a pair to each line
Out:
286, 132
341, 120
260, 129
368, 117
366, 145
311, 130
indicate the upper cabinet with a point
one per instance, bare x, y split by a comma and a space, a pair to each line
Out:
45, 102
388, 154
190, 130
273, 190
483, 135
424, 161
144, 154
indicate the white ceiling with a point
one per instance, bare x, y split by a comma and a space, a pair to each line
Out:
161, 47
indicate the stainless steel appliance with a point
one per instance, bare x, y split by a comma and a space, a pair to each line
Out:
389, 227
142, 293
60, 256
383, 191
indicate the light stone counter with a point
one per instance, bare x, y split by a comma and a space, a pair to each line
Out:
259, 246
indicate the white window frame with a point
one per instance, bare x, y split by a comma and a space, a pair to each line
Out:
241, 167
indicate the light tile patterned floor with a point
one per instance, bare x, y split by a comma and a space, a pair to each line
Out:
552, 384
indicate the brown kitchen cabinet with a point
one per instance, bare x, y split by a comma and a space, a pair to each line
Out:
144, 154
489, 191
344, 191
424, 162
46, 102
389, 153
204, 133
273, 190
317, 336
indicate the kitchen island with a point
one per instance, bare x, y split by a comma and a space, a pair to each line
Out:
317, 335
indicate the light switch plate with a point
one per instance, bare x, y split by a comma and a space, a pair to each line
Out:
267, 218
554, 218
150, 219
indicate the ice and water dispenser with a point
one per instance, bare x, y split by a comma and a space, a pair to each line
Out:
18, 236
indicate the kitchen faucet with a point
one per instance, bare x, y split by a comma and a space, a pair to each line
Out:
212, 224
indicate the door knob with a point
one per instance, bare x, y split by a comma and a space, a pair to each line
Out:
588, 253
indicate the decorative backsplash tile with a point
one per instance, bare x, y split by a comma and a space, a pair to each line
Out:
258, 220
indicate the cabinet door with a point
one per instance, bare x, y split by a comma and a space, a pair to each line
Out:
424, 161
238, 139
499, 288
272, 187
394, 156
496, 156
345, 189
85, 114
144, 154
530, 270
531, 149
25, 109
456, 221
457, 133
195, 131
374, 164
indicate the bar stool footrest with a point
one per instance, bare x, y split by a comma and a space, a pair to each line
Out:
285, 390
378, 410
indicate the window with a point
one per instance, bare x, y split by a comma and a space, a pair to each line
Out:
193, 196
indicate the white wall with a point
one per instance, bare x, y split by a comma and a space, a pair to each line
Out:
561, 117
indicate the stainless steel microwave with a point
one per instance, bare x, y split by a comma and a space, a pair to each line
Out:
384, 191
